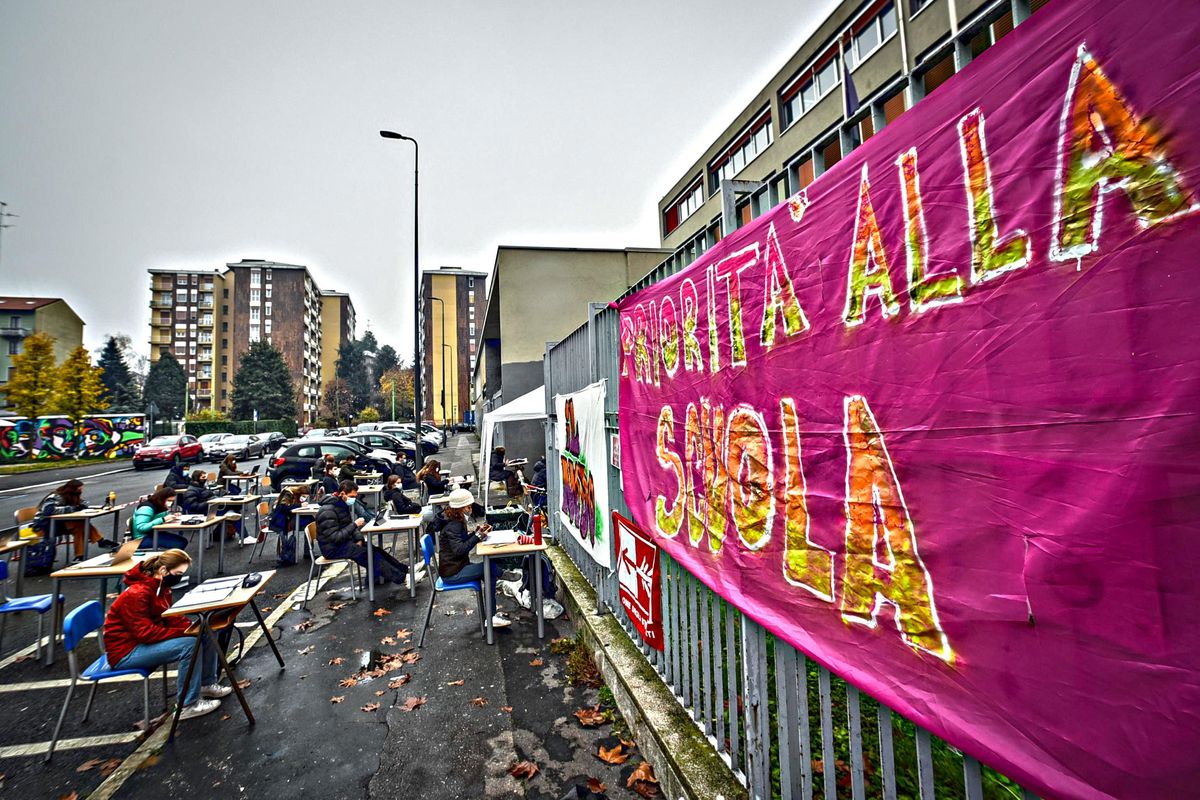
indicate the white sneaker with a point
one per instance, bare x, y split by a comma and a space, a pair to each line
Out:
200, 708
497, 622
419, 572
250, 540
215, 690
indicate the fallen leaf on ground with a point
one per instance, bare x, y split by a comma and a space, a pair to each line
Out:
468, 611
381, 693
346, 683
590, 717
642, 780
537, 662
524, 769
266, 609
387, 640
404, 633
411, 658
369, 707
279, 596
380, 612
337, 698
506, 709
305, 651
19, 659
613, 755
243, 683
359, 650
479, 702
336, 661
150, 761
412, 703
627, 742
455, 683
336, 606
596, 786
110, 766
303, 626
398, 682
91, 763
224, 717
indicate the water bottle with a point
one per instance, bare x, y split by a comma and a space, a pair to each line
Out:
537, 528
111, 501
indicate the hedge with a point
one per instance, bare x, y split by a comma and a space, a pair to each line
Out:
286, 426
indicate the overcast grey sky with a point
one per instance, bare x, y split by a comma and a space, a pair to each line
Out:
172, 134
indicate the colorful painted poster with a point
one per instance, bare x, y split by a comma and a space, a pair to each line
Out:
934, 420
583, 461
640, 586
105, 435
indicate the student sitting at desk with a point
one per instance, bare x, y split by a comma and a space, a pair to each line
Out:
154, 511
455, 541
431, 476
539, 481
67, 499
195, 497
498, 470
229, 468
281, 524
318, 469
339, 536
176, 478
346, 470
401, 503
408, 478
137, 637
329, 481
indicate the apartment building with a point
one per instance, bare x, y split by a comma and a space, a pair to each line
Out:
337, 326
22, 316
208, 318
866, 64
454, 304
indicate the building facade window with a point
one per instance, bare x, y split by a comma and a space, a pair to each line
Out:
267, 289
254, 313
684, 207
14, 347
743, 150
915, 6
255, 278
803, 95
267, 308
255, 296
254, 334
871, 36
181, 280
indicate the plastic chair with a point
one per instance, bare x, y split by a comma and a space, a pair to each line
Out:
441, 584
62, 538
318, 560
264, 527
78, 624
37, 603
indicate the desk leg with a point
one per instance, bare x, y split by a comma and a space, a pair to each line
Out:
116, 525
412, 563
20, 571
537, 578
262, 623
370, 568
224, 662
85, 530
50, 534
220, 532
56, 625
187, 680
199, 554
487, 595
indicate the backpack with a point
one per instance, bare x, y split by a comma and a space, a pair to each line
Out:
286, 548
39, 558
549, 584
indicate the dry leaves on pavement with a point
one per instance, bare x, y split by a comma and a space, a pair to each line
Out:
455, 683
387, 640
526, 770
369, 707
398, 682
404, 633
412, 703
337, 698
71, 796
479, 702
336, 661
243, 683
303, 626
410, 658
642, 780
336, 606
613, 755
596, 786
305, 651
381, 693
591, 717
346, 683
537, 662
380, 612
506, 709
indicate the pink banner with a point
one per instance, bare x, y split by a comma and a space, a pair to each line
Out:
934, 422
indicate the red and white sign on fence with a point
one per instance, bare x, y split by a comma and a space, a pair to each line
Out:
638, 577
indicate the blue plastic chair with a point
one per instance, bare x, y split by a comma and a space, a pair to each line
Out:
441, 584
38, 604
78, 624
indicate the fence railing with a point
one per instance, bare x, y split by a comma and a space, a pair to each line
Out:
787, 726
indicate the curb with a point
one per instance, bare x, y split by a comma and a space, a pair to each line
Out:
685, 762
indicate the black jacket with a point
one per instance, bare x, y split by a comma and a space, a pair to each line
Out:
194, 499
497, 469
335, 523
539, 474
435, 484
176, 479
345, 473
408, 478
51, 505
454, 547
401, 502
330, 484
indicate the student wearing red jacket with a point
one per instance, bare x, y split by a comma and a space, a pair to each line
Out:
136, 636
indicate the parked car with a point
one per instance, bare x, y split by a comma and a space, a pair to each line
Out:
165, 450
382, 440
295, 461
427, 447
245, 445
210, 440
272, 440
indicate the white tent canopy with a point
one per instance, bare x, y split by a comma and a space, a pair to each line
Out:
529, 406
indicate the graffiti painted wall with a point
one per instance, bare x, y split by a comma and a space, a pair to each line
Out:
55, 437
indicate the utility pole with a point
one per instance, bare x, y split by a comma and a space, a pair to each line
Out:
3, 216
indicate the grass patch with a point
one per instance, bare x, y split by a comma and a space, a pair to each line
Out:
18, 467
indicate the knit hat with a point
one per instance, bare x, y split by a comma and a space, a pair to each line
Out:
461, 498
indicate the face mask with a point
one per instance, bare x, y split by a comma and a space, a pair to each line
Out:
171, 579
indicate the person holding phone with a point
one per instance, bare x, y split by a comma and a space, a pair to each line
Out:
458, 533
339, 534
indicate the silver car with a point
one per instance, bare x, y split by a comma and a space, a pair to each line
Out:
241, 446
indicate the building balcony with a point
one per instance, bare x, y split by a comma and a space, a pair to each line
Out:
156, 338
156, 302
205, 304
14, 331
204, 357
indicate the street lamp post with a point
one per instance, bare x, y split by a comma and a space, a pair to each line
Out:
442, 303
419, 456
446, 347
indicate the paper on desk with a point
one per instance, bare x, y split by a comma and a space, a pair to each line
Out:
202, 595
501, 537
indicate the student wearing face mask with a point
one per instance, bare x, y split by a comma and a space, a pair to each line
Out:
137, 636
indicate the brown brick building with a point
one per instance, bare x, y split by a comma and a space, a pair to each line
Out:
454, 304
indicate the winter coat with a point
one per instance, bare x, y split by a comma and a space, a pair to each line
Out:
539, 474
345, 473
281, 517
435, 484
401, 502
176, 479
335, 523
330, 484
408, 478
145, 517
454, 547
194, 499
135, 617
51, 506
497, 469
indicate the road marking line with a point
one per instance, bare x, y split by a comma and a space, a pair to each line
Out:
41, 748
154, 742
22, 655
62, 683
59, 482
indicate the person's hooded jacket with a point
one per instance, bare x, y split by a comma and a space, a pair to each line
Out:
176, 479
454, 542
51, 505
539, 474
194, 499
145, 517
335, 523
135, 617
497, 469
401, 503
